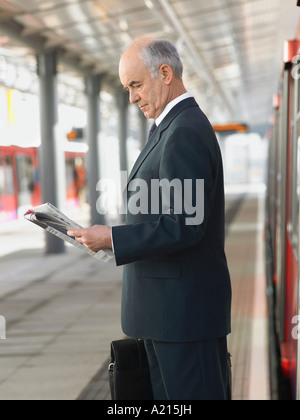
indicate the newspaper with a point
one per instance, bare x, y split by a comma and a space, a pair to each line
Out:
55, 222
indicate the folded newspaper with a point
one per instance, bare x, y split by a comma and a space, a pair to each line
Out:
54, 221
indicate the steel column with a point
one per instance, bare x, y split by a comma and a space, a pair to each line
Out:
47, 72
122, 102
143, 130
93, 88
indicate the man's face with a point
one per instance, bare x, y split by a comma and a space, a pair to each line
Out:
148, 93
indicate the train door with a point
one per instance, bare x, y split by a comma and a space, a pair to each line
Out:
297, 242
281, 213
8, 199
76, 179
295, 217
293, 231
297, 226
25, 171
272, 180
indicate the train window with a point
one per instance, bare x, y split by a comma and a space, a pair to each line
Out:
298, 96
297, 204
70, 173
293, 176
25, 179
9, 176
6, 177
2, 178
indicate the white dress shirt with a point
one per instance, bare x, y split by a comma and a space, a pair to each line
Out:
170, 106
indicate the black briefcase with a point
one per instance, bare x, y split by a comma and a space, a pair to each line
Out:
129, 375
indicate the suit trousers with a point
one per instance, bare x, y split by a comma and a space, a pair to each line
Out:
189, 371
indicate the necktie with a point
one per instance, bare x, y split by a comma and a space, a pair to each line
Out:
153, 128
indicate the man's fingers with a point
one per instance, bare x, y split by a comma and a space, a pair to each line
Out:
74, 233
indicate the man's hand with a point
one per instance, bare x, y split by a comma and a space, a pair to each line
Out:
96, 238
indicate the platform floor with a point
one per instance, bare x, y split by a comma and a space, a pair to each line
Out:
63, 311
248, 342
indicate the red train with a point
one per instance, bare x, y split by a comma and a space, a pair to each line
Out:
20, 179
283, 236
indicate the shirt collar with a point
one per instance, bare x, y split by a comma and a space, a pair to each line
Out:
170, 106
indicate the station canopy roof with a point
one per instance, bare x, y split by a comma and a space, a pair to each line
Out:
232, 49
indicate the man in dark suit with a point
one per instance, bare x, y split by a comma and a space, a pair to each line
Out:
176, 288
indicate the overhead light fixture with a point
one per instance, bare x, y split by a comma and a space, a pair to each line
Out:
127, 40
150, 5
167, 29
123, 25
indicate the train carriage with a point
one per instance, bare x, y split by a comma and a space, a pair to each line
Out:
283, 216
20, 179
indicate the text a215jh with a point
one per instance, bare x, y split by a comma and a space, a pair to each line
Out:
175, 410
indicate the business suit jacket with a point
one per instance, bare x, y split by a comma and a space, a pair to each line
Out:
176, 285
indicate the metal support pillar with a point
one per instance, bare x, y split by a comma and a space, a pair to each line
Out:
47, 72
143, 130
93, 87
122, 102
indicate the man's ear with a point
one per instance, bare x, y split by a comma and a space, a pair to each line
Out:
166, 74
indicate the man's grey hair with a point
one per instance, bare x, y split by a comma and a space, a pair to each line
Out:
160, 52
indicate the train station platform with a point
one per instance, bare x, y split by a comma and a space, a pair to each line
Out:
248, 342
63, 311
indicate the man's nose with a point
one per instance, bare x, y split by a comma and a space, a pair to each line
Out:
134, 97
